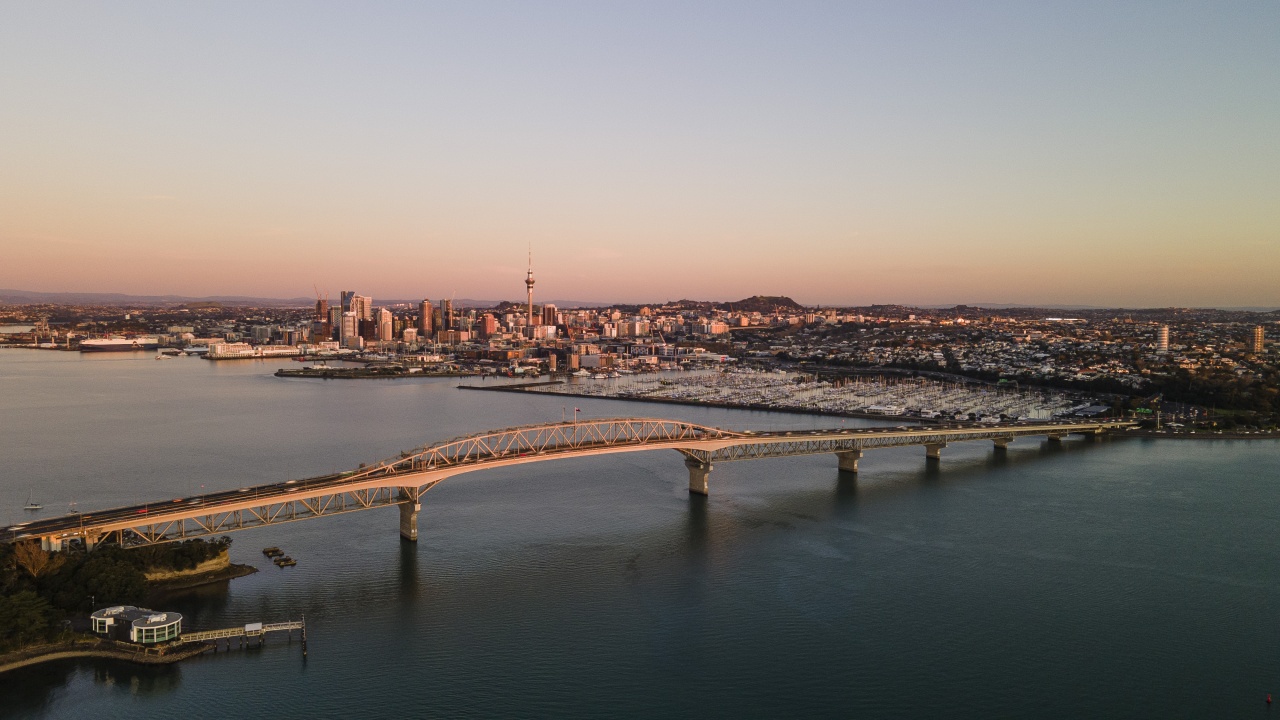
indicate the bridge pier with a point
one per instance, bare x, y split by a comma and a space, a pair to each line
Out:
933, 451
1055, 438
1002, 444
51, 544
409, 508
698, 474
849, 460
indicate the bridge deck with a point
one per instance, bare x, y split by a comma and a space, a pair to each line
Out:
403, 479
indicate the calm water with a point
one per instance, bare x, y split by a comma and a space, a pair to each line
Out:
1124, 578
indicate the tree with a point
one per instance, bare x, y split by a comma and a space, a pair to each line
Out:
34, 560
24, 618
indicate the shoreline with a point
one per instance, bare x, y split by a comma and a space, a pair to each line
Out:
93, 647
1201, 435
230, 572
98, 648
363, 374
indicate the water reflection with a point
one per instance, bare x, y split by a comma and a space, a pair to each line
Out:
137, 679
408, 570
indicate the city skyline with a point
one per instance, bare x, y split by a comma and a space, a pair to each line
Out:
924, 153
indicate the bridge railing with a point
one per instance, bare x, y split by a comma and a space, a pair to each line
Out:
542, 439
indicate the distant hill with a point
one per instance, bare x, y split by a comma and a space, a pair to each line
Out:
763, 304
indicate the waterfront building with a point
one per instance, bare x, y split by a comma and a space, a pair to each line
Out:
136, 624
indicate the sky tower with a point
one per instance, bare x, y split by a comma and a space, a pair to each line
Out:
528, 283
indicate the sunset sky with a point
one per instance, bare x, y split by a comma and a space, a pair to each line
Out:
1100, 153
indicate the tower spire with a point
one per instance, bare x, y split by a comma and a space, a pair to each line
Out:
528, 283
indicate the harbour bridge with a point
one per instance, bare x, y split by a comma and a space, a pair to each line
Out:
401, 481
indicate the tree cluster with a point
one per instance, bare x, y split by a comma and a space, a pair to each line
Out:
40, 590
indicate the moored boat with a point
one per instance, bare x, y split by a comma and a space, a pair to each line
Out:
120, 344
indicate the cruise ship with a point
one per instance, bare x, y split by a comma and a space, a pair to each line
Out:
119, 344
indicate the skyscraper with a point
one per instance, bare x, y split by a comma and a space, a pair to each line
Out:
425, 319
350, 328
549, 314
361, 305
335, 322
446, 315
1162, 339
1259, 339
385, 333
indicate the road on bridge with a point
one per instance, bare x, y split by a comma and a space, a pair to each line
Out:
402, 480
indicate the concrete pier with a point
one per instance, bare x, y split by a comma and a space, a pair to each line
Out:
1055, 438
849, 460
933, 451
1002, 444
698, 474
409, 519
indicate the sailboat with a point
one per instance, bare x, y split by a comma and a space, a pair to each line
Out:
32, 505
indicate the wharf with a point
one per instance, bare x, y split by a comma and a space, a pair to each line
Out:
349, 373
245, 633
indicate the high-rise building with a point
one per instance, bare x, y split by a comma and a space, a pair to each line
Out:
335, 322
450, 322
549, 315
350, 327
320, 329
488, 325
1259, 340
425, 318
362, 306
1162, 339
385, 332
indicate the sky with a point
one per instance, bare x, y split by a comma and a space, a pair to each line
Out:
841, 153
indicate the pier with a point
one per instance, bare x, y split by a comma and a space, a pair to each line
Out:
245, 634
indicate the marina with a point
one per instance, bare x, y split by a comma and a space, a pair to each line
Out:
857, 396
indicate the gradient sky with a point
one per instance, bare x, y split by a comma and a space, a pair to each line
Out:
841, 153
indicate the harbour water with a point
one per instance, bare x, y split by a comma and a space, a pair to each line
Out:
1122, 578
